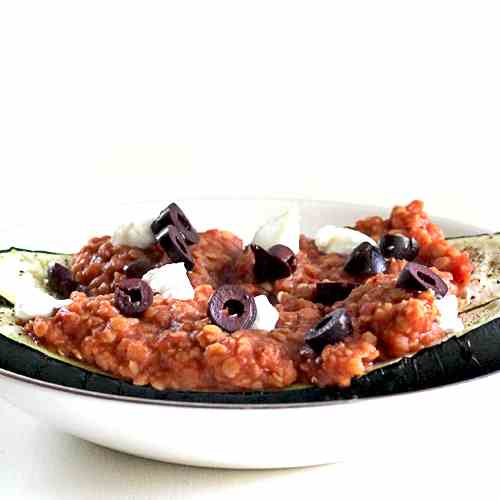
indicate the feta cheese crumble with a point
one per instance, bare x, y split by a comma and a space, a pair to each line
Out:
335, 239
134, 234
267, 314
32, 302
449, 321
171, 281
283, 229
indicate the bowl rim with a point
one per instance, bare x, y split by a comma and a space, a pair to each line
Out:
251, 405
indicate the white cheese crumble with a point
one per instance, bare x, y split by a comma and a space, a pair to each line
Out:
449, 321
134, 234
283, 229
171, 281
32, 302
267, 315
335, 239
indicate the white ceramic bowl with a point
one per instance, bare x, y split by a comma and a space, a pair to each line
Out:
241, 436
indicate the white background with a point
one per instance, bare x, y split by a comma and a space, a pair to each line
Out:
371, 102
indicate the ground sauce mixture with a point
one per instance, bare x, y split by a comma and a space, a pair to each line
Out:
371, 305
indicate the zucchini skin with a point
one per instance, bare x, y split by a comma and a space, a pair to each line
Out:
475, 353
459, 358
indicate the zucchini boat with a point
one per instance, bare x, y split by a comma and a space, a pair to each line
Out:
475, 351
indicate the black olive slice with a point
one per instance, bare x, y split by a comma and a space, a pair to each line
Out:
174, 216
285, 254
418, 277
138, 268
133, 296
365, 260
232, 308
174, 244
333, 328
327, 293
60, 280
276, 263
399, 246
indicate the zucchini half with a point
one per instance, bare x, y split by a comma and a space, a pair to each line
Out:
473, 352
